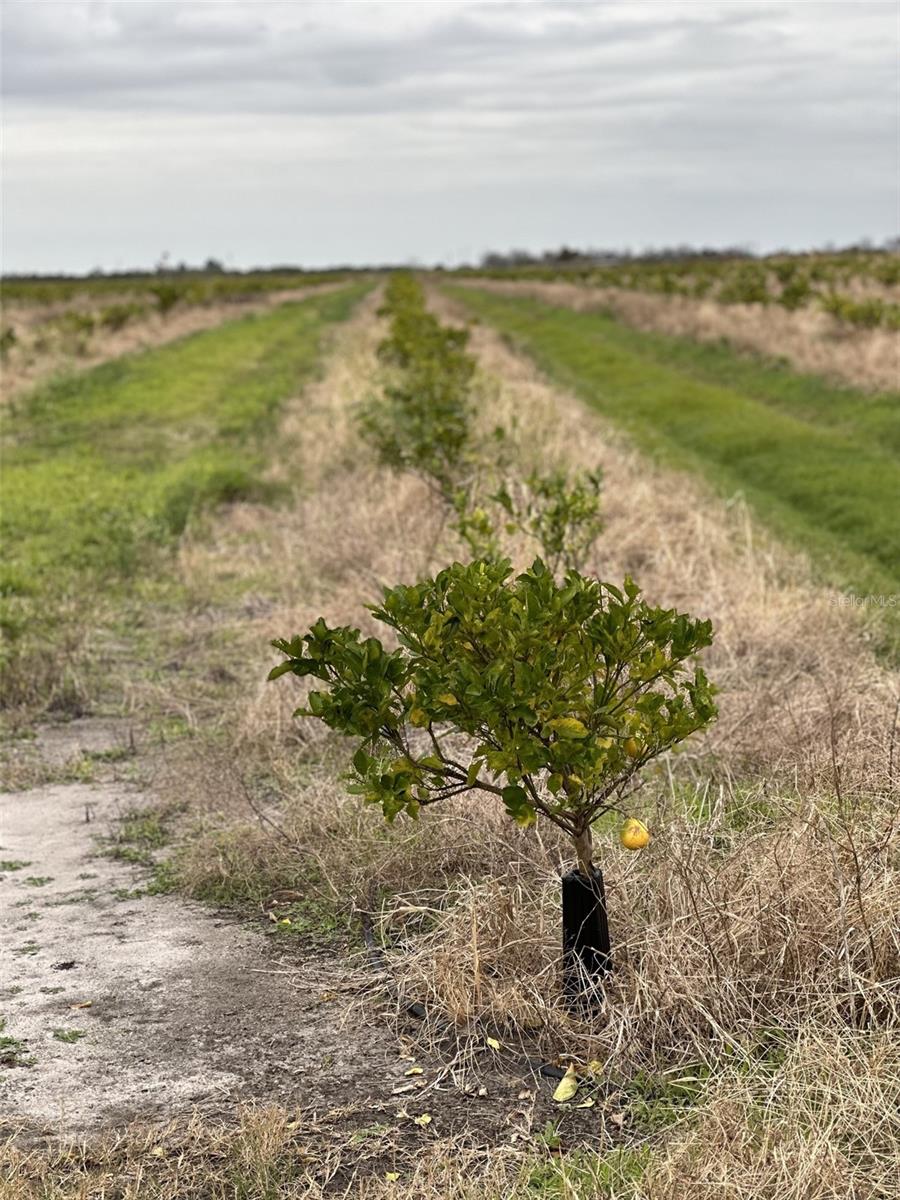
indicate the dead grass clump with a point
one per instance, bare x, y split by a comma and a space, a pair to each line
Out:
825, 1123
284, 821
718, 932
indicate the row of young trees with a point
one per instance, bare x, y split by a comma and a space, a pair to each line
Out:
548, 690
424, 421
791, 283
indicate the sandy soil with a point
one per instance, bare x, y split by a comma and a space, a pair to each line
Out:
180, 1009
810, 340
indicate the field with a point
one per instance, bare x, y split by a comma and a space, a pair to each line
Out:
55, 325
820, 463
298, 998
831, 315
855, 287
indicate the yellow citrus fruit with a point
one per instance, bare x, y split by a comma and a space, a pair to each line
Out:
633, 747
634, 834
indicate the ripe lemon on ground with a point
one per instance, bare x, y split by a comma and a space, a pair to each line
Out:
634, 834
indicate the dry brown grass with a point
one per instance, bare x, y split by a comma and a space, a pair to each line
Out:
757, 940
826, 1124
809, 339
275, 1154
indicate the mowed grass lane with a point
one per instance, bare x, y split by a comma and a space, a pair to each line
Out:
104, 468
819, 463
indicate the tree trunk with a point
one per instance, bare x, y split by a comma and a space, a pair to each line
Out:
587, 957
584, 848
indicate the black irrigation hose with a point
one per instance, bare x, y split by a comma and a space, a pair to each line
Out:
379, 964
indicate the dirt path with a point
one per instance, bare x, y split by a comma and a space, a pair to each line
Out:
130, 1004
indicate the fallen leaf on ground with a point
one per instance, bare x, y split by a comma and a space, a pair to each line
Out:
284, 896
424, 1119
493, 1043
567, 1088
82, 1004
413, 1071
588, 1103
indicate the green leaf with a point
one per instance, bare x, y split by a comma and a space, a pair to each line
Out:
569, 727
281, 669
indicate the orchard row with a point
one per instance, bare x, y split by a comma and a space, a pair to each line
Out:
792, 283
547, 690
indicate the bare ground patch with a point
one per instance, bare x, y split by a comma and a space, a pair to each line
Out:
131, 1005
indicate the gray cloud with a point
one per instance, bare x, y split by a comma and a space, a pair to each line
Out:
328, 132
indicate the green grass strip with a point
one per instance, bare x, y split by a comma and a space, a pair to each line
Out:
872, 417
101, 467
821, 472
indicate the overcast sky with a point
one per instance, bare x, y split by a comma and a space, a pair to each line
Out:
267, 132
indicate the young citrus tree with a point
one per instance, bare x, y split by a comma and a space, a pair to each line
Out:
550, 696
560, 511
422, 420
